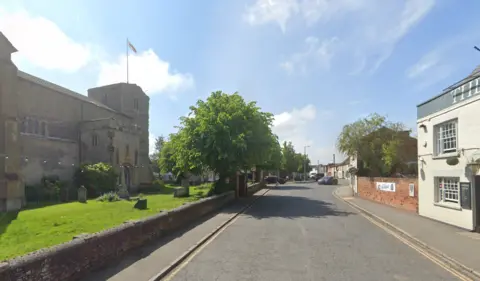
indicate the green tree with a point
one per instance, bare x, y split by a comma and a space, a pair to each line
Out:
289, 158
376, 142
302, 160
179, 156
225, 134
155, 155
275, 159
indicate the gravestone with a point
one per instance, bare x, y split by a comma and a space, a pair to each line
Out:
184, 190
123, 192
141, 204
82, 194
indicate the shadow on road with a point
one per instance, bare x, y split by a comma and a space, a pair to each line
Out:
292, 207
293, 187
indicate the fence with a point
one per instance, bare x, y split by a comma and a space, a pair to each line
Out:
398, 192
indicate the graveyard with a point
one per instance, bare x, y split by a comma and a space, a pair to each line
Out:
33, 229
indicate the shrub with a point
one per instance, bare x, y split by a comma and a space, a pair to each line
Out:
109, 197
97, 178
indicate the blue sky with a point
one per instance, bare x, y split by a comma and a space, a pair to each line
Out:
315, 64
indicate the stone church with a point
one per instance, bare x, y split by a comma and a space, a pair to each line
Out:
48, 130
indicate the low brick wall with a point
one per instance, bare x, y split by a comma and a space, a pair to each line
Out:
367, 188
254, 188
72, 260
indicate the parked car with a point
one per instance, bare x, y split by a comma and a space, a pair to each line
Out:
319, 176
328, 181
274, 179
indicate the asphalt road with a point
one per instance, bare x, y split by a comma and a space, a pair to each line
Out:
302, 232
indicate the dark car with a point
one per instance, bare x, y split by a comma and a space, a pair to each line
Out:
328, 181
273, 179
319, 176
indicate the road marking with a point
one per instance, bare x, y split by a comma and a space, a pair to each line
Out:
429, 256
182, 265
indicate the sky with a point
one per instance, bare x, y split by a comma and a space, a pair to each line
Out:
317, 65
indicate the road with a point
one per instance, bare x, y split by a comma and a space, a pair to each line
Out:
302, 232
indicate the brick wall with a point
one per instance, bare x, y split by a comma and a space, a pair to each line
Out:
72, 260
367, 188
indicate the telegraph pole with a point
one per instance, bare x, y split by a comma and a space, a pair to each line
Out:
334, 167
305, 162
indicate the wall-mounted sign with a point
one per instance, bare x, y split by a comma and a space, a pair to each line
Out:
466, 195
386, 186
411, 190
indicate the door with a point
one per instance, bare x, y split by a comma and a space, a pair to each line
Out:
477, 203
126, 171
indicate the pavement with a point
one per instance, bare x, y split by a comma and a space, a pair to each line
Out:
148, 261
293, 232
460, 246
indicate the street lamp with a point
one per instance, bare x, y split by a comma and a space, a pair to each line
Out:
305, 162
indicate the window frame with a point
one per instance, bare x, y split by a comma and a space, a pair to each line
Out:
440, 141
441, 191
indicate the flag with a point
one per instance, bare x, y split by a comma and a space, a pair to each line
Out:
131, 46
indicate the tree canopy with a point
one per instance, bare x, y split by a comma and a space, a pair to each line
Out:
376, 142
224, 134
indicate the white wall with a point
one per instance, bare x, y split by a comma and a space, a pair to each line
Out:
468, 143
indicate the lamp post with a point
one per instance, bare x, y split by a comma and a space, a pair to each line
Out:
305, 162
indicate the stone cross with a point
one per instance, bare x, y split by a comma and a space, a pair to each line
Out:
82, 194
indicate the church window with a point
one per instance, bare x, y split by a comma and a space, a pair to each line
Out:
94, 140
36, 129
43, 129
135, 104
117, 156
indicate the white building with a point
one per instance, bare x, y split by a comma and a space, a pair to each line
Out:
449, 130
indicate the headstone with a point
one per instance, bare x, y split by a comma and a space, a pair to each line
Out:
123, 192
82, 194
181, 192
141, 204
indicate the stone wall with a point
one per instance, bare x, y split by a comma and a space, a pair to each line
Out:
400, 198
72, 260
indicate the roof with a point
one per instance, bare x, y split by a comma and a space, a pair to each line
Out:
65, 91
474, 74
9, 44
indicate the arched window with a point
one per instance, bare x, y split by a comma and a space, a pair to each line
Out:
43, 128
24, 128
136, 157
94, 139
117, 156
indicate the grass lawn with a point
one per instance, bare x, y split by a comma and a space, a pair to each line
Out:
33, 229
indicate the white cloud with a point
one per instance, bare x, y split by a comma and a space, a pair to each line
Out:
423, 65
370, 29
265, 11
316, 54
151, 143
148, 71
42, 43
296, 126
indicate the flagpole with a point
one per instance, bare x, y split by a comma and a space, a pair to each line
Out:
127, 59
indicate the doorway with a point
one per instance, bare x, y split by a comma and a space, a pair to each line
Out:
477, 203
126, 173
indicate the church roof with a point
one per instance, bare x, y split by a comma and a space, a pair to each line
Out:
65, 91
7, 43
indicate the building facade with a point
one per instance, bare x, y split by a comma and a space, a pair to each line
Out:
48, 130
448, 154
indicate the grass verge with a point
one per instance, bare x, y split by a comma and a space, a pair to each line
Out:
33, 229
